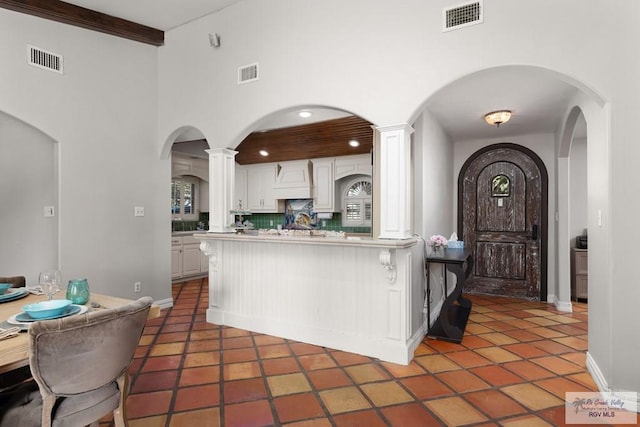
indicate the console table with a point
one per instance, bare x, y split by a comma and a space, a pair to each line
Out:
451, 322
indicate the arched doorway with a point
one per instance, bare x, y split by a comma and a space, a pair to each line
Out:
502, 218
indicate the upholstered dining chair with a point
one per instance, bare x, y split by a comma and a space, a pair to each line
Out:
16, 281
80, 364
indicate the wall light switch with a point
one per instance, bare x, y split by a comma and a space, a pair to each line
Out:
138, 211
49, 211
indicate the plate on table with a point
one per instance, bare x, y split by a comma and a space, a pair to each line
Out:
23, 318
13, 294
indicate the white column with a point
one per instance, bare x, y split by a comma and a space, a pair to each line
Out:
222, 167
392, 150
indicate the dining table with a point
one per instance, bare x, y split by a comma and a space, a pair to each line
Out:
14, 351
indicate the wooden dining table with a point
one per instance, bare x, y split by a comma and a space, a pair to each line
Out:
14, 351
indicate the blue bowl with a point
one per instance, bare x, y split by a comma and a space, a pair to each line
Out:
4, 287
44, 309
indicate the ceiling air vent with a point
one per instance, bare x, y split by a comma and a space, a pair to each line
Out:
462, 15
43, 59
248, 73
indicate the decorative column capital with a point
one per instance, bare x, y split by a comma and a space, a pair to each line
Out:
221, 151
405, 127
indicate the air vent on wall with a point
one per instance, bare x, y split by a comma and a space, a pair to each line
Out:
462, 15
248, 73
42, 59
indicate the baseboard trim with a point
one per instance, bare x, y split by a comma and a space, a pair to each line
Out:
630, 398
164, 303
565, 306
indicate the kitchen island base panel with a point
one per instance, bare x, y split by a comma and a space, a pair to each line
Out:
386, 350
364, 297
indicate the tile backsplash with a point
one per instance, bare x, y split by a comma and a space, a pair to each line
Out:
333, 224
264, 220
182, 225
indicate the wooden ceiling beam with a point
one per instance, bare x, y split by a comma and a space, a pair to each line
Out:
67, 13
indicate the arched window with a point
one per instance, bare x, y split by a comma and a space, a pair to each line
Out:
357, 203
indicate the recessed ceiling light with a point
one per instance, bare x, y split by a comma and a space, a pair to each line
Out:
304, 114
263, 153
354, 143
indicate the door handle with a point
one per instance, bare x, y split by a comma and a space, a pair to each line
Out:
534, 232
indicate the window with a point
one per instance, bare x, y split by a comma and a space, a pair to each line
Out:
184, 192
357, 203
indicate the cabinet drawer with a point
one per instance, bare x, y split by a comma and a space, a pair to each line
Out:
176, 241
582, 262
189, 240
582, 285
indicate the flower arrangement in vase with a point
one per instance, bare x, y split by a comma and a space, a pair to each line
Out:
438, 243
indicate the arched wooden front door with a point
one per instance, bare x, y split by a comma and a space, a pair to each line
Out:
502, 218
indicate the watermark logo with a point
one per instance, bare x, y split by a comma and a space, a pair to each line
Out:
600, 408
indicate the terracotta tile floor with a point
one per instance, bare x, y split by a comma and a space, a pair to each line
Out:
514, 365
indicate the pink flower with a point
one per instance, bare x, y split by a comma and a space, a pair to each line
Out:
437, 241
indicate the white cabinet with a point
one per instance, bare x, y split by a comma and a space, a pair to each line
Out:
260, 180
191, 259
324, 186
186, 257
353, 165
176, 257
184, 165
240, 188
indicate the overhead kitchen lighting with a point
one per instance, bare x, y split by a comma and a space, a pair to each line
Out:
263, 153
354, 143
498, 117
305, 114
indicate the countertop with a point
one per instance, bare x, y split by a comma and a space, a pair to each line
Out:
187, 233
360, 240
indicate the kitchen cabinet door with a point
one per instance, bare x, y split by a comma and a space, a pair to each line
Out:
176, 261
324, 186
260, 180
191, 259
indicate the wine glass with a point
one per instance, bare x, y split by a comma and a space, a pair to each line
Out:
50, 282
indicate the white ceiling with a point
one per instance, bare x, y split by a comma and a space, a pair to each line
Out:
538, 100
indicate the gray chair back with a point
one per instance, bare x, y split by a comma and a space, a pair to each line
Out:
77, 356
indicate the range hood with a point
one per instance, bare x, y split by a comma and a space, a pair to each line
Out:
294, 180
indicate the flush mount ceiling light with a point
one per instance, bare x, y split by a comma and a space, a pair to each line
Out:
498, 117
354, 143
263, 153
304, 114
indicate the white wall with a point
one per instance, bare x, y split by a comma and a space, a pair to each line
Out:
29, 183
433, 190
102, 114
578, 191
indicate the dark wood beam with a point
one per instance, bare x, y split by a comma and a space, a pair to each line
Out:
67, 13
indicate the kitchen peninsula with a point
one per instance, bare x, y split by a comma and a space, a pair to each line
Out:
355, 294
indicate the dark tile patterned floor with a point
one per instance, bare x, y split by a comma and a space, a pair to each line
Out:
514, 365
